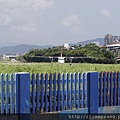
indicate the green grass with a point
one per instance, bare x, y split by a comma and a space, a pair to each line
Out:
56, 67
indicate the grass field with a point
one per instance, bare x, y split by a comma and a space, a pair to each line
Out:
55, 67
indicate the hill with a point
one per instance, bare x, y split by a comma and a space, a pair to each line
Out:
20, 49
83, 43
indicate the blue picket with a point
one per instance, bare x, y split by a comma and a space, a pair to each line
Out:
111, 89
104, 88
16, 92
86, 90
100, 89
63, 91
66, 92
118, 88
114, 89
33, 93
75, 77
70, 91
58, 94
37, 92
79, 90
42, 92
54, 91
46, 92
51, 93
7, 97
108, 81
11, 94
2, 93
82, 90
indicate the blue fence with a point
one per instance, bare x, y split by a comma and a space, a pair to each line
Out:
58, 92
8, 94
88, 92
109, 89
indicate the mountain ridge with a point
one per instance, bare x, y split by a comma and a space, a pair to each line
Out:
83, 43
22, 48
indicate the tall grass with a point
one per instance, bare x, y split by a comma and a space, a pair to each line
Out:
56, 67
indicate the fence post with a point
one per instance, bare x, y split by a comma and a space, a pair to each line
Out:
23, 79
92, 92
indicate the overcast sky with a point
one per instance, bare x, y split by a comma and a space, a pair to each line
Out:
54, 22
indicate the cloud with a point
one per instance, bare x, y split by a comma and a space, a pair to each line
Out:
41, 4
73, 22
27, 28
105, 13
22, 11
5, 19
35, 4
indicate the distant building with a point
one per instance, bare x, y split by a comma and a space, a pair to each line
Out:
65, 45
93, 42
97, 43
9, 56
109, 39
72, 47
112, 43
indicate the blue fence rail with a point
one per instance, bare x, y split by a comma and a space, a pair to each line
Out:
87, 92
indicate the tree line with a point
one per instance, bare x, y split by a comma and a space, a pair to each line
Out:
94, 53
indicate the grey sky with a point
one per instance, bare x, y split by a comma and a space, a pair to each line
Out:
55, 22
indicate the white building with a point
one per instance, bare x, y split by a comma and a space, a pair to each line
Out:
65, 45
97, 43
9, 56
